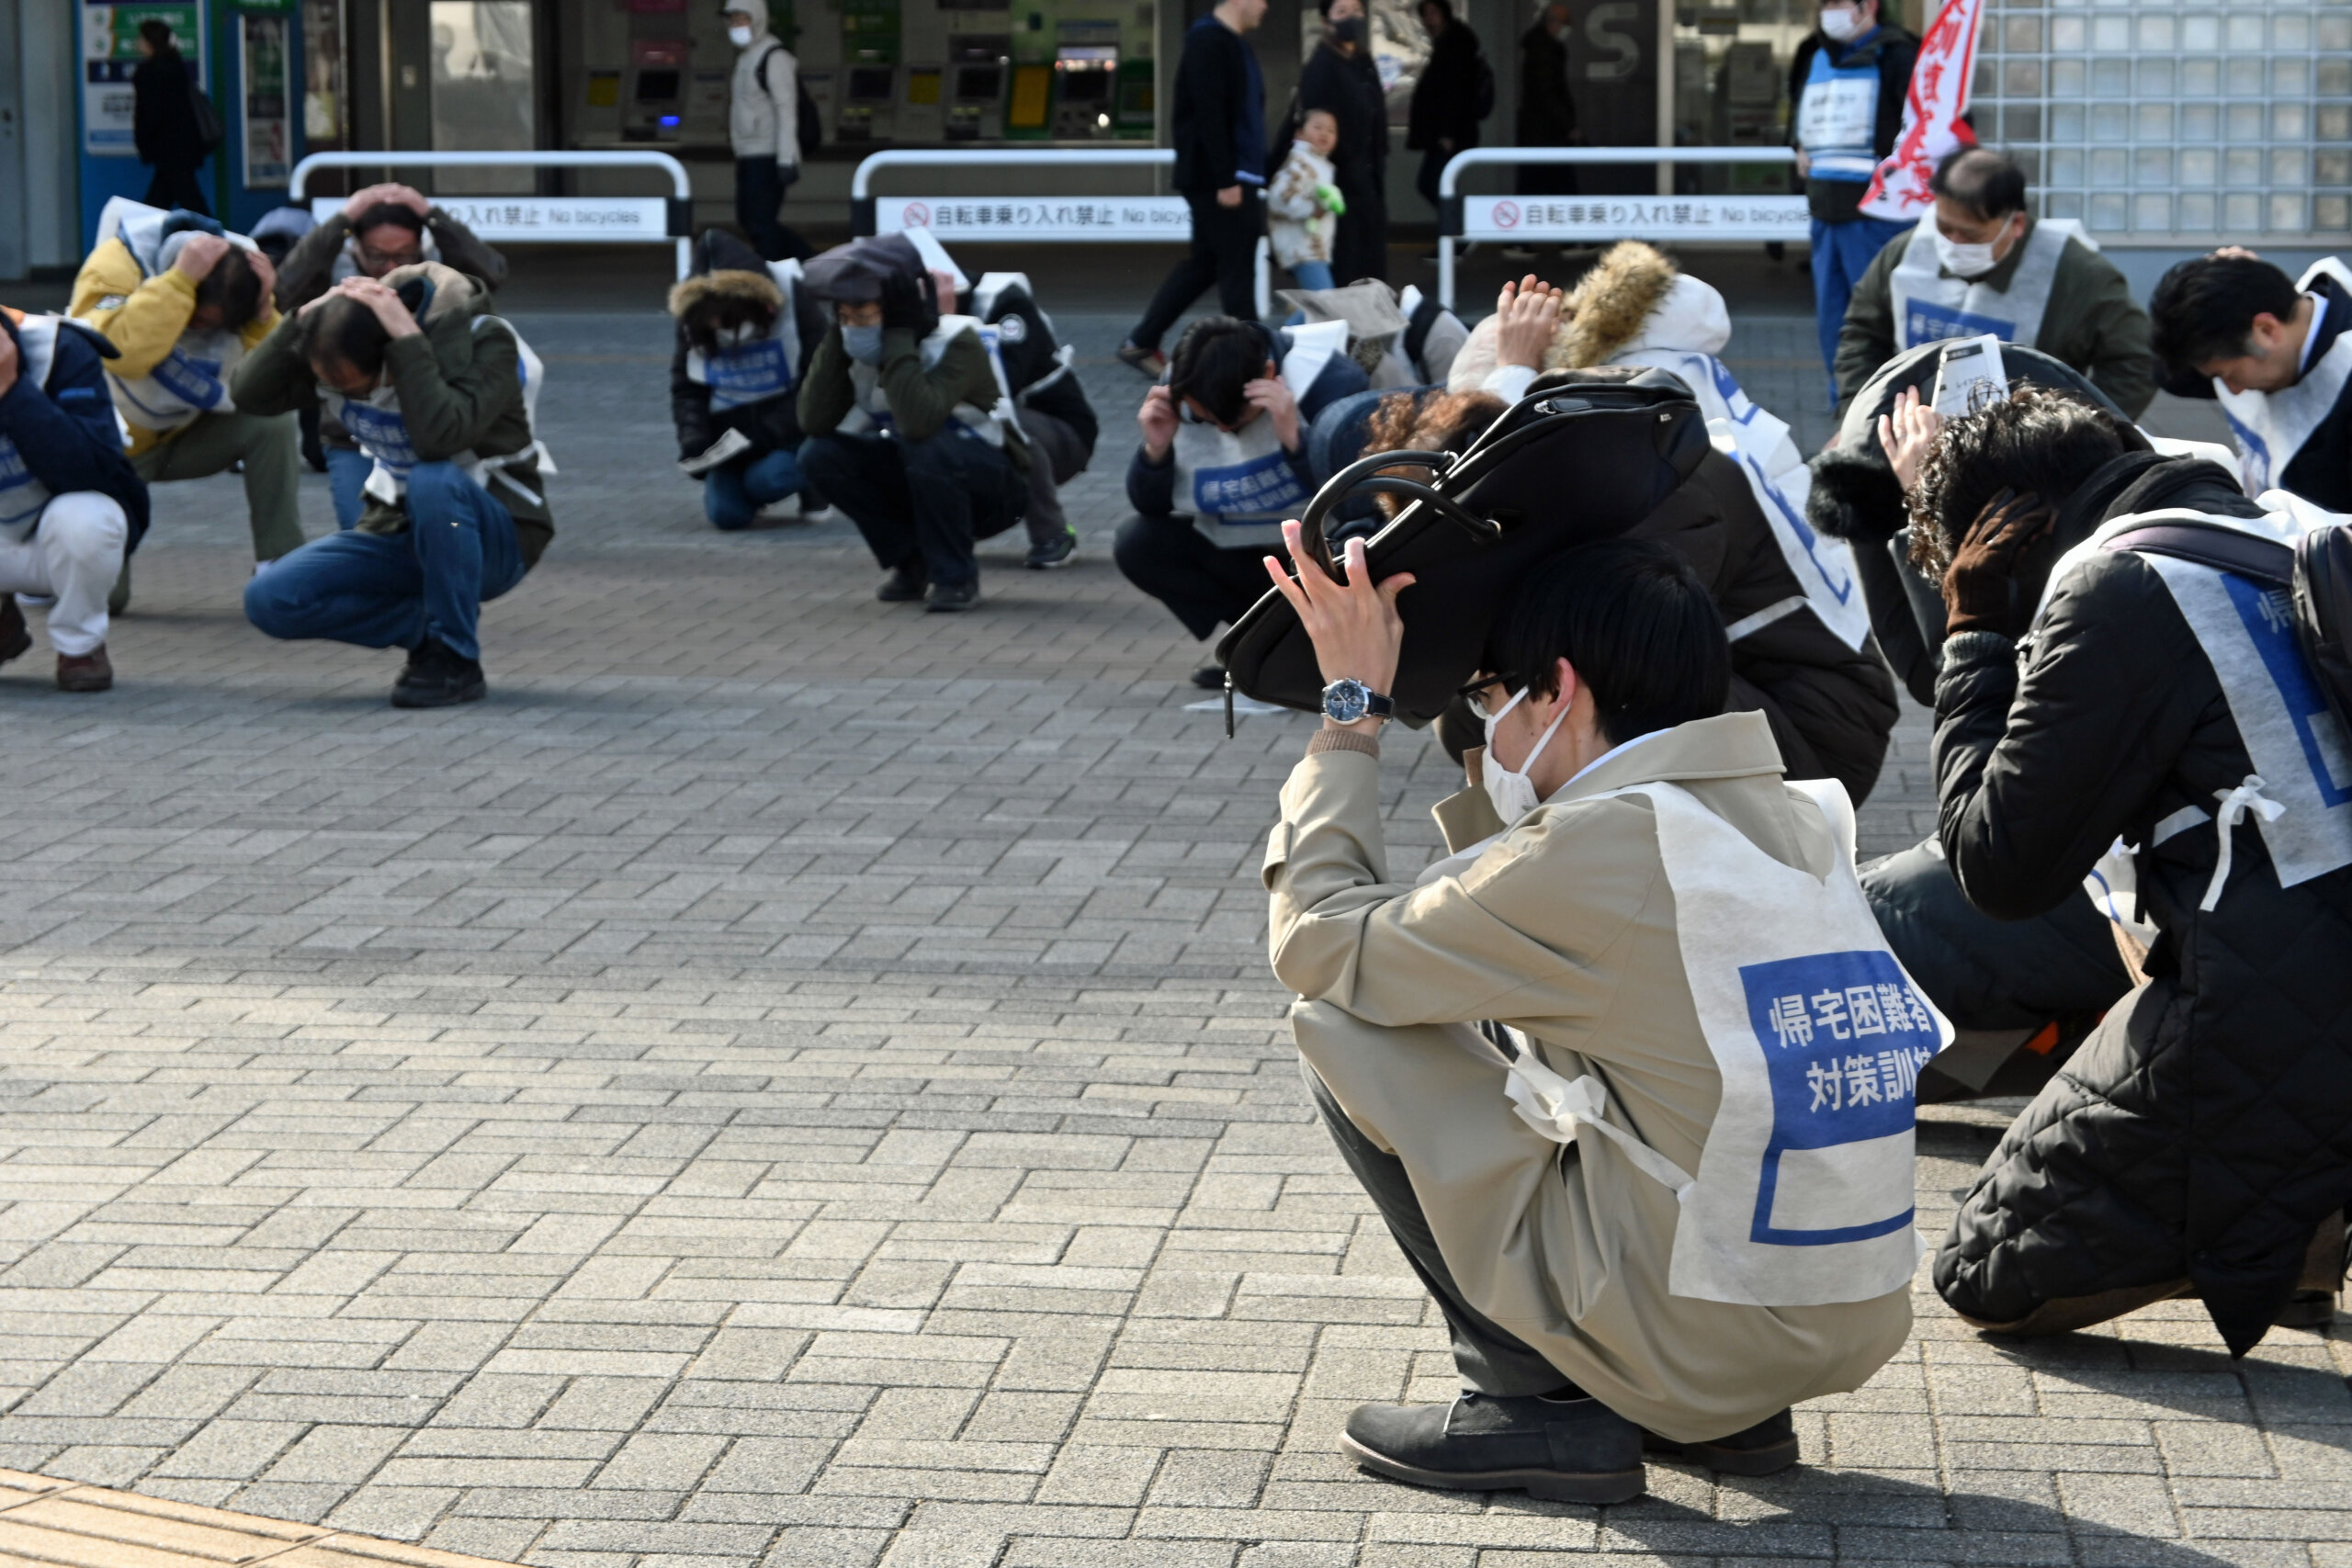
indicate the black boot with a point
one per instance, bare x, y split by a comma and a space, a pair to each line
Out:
15, 638
905, 584
1766, 1449
1571, 1450
436, 678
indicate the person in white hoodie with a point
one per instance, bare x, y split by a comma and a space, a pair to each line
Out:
1304, 204
764, 124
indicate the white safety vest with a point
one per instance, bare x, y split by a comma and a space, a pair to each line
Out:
1930, 306
2271, 427
378, 427
191, 381
1803, 1192
1239, 486
870, 410
1776, 472
755, 371
1838, 119
2300, 795
23, 497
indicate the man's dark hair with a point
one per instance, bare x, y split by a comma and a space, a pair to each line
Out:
393, 213
1444, 7
234, 287
1635, 624
157, 33
2204, 309
342, 331
1988, 183
1215, 360
2034, 441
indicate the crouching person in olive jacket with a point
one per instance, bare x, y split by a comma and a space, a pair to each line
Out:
436, 391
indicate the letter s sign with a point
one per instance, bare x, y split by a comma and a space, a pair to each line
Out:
1602, 29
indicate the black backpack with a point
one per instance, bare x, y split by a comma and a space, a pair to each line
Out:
1586, 455
210, 132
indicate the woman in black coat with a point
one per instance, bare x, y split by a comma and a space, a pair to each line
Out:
1444, 118
163, 123
1340, 77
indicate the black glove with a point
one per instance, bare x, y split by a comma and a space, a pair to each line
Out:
902, 303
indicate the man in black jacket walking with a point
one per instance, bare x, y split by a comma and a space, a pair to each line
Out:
163, 121
1220, 128
1444, 116
2199, 1142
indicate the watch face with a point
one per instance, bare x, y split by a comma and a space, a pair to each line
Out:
1346, 701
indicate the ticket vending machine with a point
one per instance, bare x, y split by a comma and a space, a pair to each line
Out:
654, 91
868, 101
977, 80
1086, 69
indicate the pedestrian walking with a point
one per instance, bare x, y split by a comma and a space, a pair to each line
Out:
1340, 77
1456, 92
764, 124
1220, 135
164, 124
1547, 112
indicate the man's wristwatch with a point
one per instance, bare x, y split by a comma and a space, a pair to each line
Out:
1346, 701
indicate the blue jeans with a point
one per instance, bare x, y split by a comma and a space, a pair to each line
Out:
347, 471
1311, 274
733, 493
396, 590
1841, 253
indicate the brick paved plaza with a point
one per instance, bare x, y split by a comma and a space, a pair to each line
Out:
796, 1081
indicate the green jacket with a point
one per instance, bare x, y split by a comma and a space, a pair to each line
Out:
922, 401
2091, 323
460, 391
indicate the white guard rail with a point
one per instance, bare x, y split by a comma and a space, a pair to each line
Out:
557, 218
1589, 218
968, 219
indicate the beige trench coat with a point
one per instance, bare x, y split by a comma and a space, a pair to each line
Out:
1564, 929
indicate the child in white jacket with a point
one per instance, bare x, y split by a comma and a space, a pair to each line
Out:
1305, 204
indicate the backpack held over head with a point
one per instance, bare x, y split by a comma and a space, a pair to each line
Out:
1585, 456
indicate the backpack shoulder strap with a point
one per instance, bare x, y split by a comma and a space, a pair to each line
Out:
2223, 549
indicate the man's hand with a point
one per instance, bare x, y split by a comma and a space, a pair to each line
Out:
1804, 165
2234, 252
1908, 434
1229, 196
7, 363
199, 256
1158, 417
1976, 588
1528, 315
901, 304
263, 268
386, 304
379, 195
1272, 395
1354, 626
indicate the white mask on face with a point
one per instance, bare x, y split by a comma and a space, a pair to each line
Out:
739, 37
1841, 22
735, 337
1513, 795
1964, 261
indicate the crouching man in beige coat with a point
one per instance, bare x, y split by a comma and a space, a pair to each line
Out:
1630, 1074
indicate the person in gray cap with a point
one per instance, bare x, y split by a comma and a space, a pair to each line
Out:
910, 429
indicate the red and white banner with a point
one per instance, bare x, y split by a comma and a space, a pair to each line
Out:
1931, 111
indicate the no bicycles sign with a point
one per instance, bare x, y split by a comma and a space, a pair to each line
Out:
1692, 218
1034, 218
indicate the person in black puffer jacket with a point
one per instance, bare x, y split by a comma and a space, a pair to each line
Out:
2201, 1140
746, 330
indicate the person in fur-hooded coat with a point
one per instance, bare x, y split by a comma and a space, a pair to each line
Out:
1797, 655
745, 332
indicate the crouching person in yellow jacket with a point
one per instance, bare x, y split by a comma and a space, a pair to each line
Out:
182, 303
1630, 1073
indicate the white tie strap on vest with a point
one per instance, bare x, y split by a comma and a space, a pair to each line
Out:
2234, 806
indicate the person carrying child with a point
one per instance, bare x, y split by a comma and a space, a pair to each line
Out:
1305, 204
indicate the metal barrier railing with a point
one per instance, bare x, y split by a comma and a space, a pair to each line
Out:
967, 219
569, 220
1687, 219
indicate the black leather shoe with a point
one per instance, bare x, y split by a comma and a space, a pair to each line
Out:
436, 678
947, 597
15, 636
904, 585
1573, 1450
1766, 1449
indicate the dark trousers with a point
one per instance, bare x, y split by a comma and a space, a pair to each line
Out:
1490, 1359
1168, 558
919, 502
175, 185
1223, 254
1434, 164
760, 184
1359, 248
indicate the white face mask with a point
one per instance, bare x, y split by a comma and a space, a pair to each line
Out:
1513, 795
735, 337
1841, 22
1964, 261
739, 37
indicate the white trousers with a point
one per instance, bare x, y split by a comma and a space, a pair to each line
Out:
74, 556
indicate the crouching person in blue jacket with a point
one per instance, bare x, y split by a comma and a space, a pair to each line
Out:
71, 505
436, 391
1223, 460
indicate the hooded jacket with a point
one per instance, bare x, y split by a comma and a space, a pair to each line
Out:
63, 427
460, 388
726, 268
2204, 1129
1831, 707
763, 107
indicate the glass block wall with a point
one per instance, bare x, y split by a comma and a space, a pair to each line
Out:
2176, 121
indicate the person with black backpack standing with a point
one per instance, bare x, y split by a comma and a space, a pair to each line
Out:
763, 123
1456, 92
173, 135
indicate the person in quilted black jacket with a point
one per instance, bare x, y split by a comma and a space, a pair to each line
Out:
2200, 1144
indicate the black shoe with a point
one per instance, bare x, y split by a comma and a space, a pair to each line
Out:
904, 585
948, 597
1766, 1449
1053, 552
1209, 677
1149, 361
436, 678
15, 636
1571, 1450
